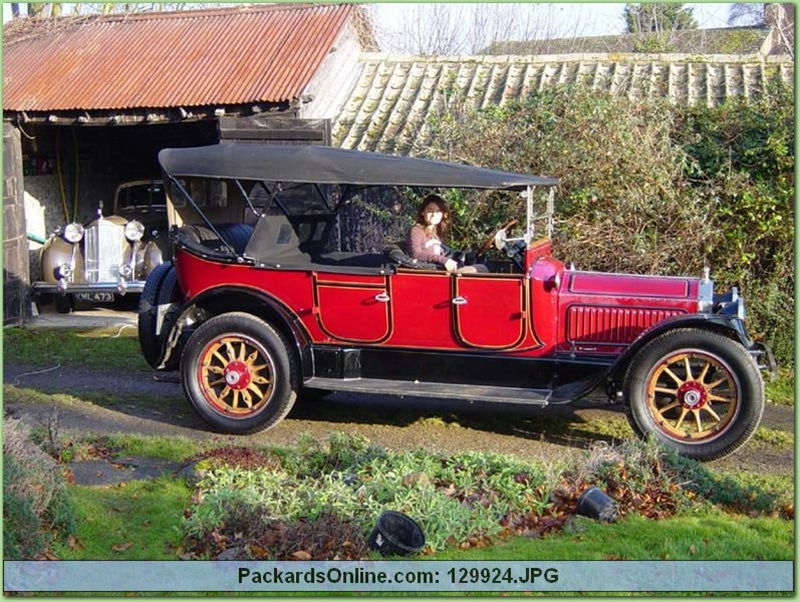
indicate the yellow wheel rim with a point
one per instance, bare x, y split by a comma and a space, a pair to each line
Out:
693, 396
236, 375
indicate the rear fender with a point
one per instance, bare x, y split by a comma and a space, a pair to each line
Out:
219, 301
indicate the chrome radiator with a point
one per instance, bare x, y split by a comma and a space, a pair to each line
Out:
105, 243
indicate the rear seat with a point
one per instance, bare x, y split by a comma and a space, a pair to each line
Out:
345, 259
278, 245
236, 235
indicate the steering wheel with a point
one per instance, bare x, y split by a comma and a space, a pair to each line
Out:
499, 243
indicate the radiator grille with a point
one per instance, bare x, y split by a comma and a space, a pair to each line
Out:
611, 325
104, 247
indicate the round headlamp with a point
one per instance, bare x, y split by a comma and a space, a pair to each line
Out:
73, 232
134, 230
125, 270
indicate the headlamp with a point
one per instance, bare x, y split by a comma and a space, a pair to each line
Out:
134, 230
73, 232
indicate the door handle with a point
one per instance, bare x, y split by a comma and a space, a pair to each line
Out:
459, 301
382, 297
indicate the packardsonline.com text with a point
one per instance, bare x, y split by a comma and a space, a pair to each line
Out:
454, 576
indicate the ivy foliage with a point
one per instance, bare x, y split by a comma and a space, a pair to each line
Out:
648, 187
743, 157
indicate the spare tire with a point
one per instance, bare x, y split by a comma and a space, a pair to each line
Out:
237, 235
160, 288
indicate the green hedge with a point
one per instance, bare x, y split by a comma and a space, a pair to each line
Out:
648, 187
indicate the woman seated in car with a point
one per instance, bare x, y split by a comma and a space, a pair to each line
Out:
424, 240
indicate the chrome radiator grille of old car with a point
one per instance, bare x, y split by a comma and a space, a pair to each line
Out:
104, 247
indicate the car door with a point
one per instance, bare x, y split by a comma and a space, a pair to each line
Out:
353, 308
439, 310
489, 310
421, 302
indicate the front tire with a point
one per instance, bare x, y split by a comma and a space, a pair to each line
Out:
697, 392
64, 303
239, 373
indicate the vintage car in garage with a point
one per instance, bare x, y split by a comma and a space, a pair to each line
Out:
110, 257
258, 305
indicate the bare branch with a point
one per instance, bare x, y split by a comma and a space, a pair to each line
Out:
453, 29
746, 13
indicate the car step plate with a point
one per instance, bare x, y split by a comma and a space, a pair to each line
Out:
430, 389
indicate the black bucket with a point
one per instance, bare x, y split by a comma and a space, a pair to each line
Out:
396, 535
594, 503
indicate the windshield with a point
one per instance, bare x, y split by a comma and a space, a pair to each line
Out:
141, 195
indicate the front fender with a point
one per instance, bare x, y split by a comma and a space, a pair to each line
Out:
57, 252
149, 258
730, 326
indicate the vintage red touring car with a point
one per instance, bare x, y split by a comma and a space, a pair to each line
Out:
260, 305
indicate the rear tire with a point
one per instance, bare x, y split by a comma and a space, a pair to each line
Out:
697, 392
239, 373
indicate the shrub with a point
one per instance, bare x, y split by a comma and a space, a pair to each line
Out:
618, 174
647, 187
465, 500
36, 508
348, 483
22, 526
742, 155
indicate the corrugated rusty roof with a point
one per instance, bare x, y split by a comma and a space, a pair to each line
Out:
179, 59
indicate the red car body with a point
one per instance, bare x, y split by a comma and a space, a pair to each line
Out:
255, 318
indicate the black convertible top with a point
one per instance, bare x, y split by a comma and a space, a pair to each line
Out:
328, 165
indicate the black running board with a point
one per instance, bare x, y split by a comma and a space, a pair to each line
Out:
431, 389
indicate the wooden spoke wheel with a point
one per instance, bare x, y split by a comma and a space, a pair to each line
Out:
693, 396
696, 391
239, 373
236, 375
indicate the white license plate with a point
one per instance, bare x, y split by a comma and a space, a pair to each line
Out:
95, 297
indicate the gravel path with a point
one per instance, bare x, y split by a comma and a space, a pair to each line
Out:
152, 403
